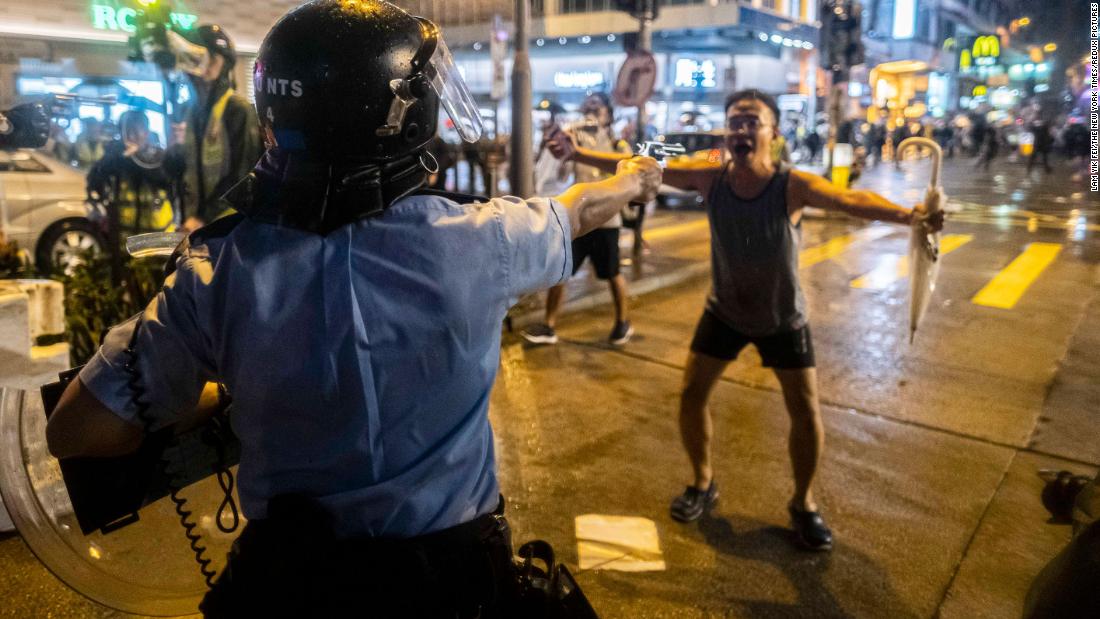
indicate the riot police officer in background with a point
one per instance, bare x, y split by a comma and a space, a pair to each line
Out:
221, 140
355, 318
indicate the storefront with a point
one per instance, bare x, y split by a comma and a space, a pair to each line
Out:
900, 88
691, 85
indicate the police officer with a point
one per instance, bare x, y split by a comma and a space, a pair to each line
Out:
355, 319
221, 140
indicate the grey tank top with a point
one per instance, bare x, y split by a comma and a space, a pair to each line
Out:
754, 259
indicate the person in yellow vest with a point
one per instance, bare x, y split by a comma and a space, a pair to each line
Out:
88, 148
221, 141
131, 183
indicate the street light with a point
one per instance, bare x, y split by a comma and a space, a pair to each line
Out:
1050, 47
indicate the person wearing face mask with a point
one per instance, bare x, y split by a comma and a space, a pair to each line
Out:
593, 133
132, 181
755, 205
221, 138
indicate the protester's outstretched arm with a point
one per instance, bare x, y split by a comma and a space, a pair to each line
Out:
812, 190
687, 175
591, 204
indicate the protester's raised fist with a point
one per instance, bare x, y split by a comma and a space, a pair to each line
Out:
560, 143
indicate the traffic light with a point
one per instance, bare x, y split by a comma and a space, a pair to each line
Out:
855, 52
638, 8
842, 33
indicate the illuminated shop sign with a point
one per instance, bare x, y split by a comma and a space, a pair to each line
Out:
696, 74
986, 50
121, 18
905, 19
578, 79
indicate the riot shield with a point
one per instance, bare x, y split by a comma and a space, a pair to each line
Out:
145, 566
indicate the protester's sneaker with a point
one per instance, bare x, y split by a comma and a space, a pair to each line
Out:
810, 529
540, 334
690, 505
621, 333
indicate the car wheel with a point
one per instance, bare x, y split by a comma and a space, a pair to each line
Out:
63, 245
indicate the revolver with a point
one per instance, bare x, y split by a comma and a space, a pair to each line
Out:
660, 151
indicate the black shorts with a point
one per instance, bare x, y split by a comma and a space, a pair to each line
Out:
791, 350
602, 246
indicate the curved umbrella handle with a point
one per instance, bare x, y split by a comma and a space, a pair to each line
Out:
937, 156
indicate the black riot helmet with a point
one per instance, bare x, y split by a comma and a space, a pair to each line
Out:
357, 80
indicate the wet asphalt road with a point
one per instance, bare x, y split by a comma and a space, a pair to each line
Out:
928, 476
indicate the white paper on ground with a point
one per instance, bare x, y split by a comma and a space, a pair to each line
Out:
623, 543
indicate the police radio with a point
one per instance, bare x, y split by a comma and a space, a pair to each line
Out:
107, 493
110, 527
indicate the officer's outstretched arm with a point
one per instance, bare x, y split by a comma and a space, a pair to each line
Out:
591, 204
686, 175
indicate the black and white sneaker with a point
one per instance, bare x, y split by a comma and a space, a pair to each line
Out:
690, 505
621, 333
540, 334
810, 529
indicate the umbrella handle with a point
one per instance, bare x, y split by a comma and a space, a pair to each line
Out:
937, 155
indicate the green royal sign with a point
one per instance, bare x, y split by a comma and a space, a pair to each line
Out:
106, 17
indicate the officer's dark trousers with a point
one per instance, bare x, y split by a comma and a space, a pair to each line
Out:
290, 565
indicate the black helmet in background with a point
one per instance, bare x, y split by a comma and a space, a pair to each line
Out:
357, 81
214, 39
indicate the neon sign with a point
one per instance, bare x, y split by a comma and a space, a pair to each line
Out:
105, 17
986, 47
695, 74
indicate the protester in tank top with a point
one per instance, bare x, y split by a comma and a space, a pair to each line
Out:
755, 210
754, 258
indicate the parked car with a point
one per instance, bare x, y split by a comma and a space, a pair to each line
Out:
47, 214
705, 145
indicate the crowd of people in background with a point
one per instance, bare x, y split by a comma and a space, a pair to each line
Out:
1029, 134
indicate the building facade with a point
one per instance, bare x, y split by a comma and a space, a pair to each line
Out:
703, 48
921, 56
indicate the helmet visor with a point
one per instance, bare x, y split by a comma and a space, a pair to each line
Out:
447, 82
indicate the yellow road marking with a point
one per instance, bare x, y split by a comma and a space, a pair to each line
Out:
836, 246
893, 267
1004, 290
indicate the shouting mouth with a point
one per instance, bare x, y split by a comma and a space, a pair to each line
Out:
742, 149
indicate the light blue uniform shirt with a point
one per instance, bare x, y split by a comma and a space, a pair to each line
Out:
360, 363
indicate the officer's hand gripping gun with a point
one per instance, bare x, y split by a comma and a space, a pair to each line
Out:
659, 151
